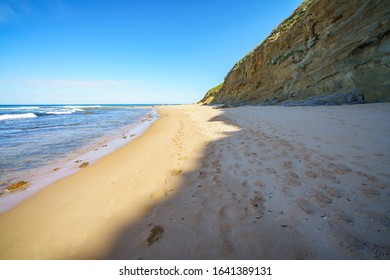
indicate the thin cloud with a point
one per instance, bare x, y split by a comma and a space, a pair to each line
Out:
14, 10
7, 13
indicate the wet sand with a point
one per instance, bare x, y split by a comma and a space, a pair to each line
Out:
237, 183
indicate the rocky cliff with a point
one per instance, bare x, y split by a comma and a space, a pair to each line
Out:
326, 52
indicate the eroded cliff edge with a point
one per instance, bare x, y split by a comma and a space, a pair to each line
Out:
326, 52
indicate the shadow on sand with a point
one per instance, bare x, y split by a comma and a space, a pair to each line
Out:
258, 195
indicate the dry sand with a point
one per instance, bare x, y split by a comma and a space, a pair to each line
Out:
238, 183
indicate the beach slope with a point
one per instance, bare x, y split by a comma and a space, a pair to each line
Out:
238, 183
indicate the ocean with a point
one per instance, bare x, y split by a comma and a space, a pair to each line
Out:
33, 137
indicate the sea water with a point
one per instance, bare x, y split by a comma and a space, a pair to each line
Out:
33, 137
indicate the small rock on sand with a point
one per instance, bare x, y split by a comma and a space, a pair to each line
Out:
84, 164
155, 234
19, 186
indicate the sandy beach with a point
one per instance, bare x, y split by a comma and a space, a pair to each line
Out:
249, 182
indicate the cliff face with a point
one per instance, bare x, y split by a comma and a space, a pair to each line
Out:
326, 52
210, 95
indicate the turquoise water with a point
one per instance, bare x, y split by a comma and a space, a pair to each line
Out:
32, 136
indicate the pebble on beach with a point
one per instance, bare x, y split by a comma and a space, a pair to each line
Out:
19, 186
84, 164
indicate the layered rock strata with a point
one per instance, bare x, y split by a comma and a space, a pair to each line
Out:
326, 52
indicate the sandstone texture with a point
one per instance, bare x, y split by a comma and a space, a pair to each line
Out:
326, 52
210, 95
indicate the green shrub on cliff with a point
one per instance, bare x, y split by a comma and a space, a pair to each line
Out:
209, 97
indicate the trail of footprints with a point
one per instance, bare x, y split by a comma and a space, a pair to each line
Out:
297, 171
277, 174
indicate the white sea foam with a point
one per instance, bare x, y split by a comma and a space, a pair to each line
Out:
17, 116
60, 112
81, 106
44, 176
19, 108
64, 112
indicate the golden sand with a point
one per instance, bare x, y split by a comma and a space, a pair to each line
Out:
237, 183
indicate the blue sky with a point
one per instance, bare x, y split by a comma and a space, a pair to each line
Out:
116, 51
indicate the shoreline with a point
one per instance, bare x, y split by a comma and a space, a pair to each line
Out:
237, 183
44, 176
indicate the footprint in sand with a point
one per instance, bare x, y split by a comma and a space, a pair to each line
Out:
260, 144
321, 197
362, 174
377, 217
340, 215
326, 157
329, 176
367, 191
159, 194
373, 182
287, 191
258, 172
287, 165
216, 180
357, 147
311, 174
232, 214
283, 154
271, 171
257, 200
312, 164
306, 206
358, 157
264, 158
202, 175
379, 155
332, 192
371, 179
176, 172
378, 186
339, 168
346, 237
260, 184
292, 179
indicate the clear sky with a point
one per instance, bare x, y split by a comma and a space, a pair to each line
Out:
134, 51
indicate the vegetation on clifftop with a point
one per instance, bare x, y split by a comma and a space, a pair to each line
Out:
209, 97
